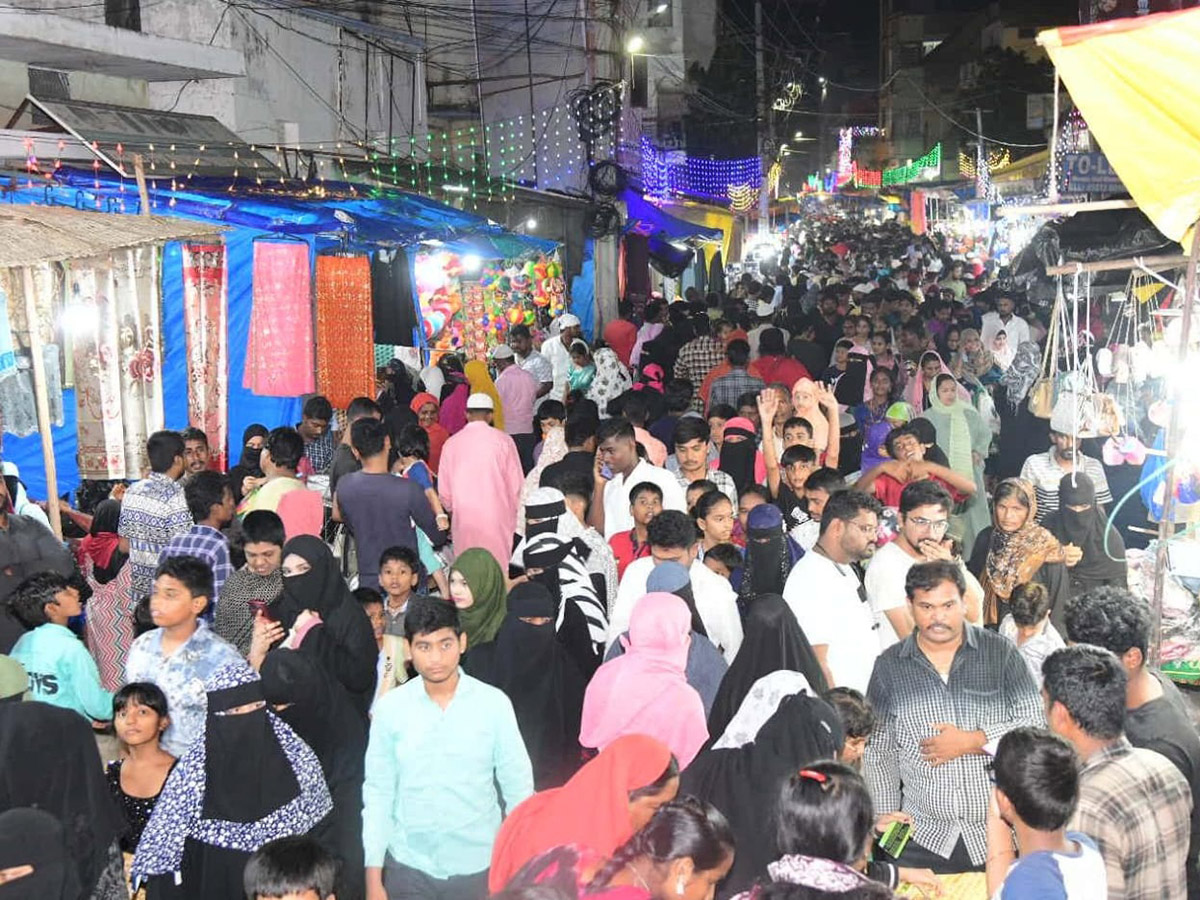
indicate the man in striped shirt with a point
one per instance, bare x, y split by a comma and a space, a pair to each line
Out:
1045, 470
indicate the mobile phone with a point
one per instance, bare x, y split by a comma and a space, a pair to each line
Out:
258, 605
606, 472
895, 839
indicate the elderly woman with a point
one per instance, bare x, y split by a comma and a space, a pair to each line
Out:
1015, 550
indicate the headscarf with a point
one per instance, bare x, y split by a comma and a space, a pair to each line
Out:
760, 704
1103, 560
975, 364
953, 418
915, 392
234, 618
322, 587
1022, 372
438, 435
554, 449
611, 381
101, 543
824, 877
582, 620
768, 556
33, 837
812, 412
1014, 558
590, 811
48, 760
744, 783
249, 464
482, 619
579, 378
773, 640
481, 382
264, 782
738, 457
671, 577
645, 691
541, 680
900, 412
452, 414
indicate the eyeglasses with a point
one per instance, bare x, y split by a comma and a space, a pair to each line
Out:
931, 524
869, 530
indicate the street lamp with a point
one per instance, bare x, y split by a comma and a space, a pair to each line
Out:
635, 44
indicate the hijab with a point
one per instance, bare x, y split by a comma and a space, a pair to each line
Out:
744, 783
812, 412
481, 382
975, 364
738, 457
101, 543
263, 783
768, 555
320, 589
48, 760
579, 378
590, 811
773, 640
33, 837
952, 427
645, 691
481, 620
1022, 372
1103, 560
554, 449
249, 464
545, 686
1014, 557
916, 393
611, 381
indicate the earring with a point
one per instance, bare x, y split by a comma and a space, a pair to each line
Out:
679, 887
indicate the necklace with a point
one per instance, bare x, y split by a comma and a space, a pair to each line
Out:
640, 880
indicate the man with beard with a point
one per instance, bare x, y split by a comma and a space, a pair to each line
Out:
1045, 470
827, 596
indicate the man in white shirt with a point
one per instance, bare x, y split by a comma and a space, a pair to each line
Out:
618, 468
521, 342
924, 517
672, 538
828, 600
1003, 319
557, 351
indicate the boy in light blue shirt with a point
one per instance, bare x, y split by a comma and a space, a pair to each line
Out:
441, 745
61, 671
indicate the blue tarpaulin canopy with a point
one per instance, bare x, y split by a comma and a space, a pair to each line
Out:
646, 219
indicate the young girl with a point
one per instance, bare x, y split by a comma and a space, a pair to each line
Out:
714, 517
140, 717
412, 447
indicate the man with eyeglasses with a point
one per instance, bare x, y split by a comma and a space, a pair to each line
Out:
924, 517
828, 599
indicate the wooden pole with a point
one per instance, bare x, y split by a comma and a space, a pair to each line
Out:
42, 402
1064, 209
139, 172
1171, 440
1154, 263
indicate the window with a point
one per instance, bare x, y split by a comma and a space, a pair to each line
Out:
125, 14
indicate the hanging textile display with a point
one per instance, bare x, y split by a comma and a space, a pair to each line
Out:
204, 305
279, 354
345, 342
114, 305
392, 309
18, 404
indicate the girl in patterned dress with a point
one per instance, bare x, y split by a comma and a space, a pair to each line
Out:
104, 561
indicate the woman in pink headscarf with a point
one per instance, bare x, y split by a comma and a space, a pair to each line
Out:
921, 391
645, 691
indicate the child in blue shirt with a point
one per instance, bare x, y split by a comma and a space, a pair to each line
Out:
61, 671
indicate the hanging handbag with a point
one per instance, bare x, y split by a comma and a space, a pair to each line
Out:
1042, 394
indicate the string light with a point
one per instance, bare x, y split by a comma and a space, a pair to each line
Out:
930, 163
669, 173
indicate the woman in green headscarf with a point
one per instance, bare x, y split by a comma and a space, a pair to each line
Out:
478, 589
966, 440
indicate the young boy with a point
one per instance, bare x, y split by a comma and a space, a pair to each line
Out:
61, 672
399, 576
391, 669
210, 501
857, 718
820, 485
451, 734
1028, 626
645, 502
725, 560
797, 432
290, 868
698, 489
1036, 792
796, 464
181, 652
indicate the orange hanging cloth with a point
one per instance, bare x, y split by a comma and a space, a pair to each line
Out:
345, 335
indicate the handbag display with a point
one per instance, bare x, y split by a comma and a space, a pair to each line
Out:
1043, 394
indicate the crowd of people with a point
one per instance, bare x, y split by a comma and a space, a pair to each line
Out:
780, 593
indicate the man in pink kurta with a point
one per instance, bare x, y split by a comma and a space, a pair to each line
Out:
479, 482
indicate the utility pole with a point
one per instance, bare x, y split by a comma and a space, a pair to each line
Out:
764, 201
532, 113
981, 172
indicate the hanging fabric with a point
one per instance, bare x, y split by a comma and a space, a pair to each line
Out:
118, 375
204, 306
345, 343
18, 405
8, 359
279, 353
392, 308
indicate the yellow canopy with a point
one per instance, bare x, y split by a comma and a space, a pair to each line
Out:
1135, 82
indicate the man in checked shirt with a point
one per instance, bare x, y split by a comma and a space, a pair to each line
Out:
941, 696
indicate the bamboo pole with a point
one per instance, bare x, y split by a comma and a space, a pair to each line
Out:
1154, 263
1171, 441
42, 402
